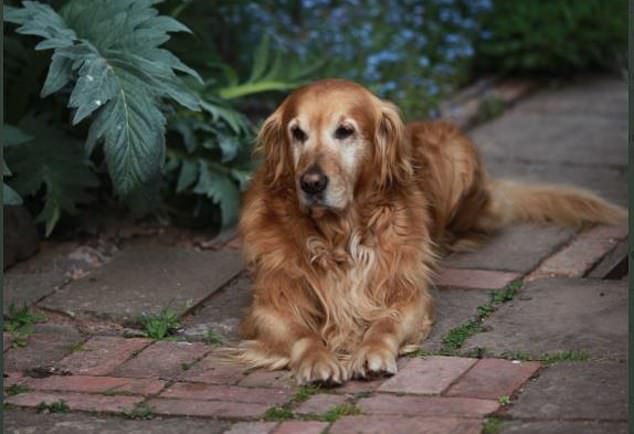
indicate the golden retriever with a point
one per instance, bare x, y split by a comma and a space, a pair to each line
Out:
342, 224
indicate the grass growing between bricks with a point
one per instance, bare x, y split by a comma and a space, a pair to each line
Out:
19, 323
338, 411
140, 412
548, 359
53, 407
456, 337
160, 325
492, 425
213, 338
285, 412
16, 389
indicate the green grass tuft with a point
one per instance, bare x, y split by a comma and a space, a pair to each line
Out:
19, 323
492, 425
213, 338
305, 392
53, 407
278, 414
564, 356
160, 325
140, 412
337, 411
16, 389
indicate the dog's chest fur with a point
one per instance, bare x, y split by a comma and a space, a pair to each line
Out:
346, 283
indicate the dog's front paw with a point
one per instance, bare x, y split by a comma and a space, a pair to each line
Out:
320, 366
372, 361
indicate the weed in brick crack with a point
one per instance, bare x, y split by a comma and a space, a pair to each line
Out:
492, 425
53, 407
213, 338
19, 323
109, 392
160, 325
16, 389
548, 358
278, 414
140, 412
564, 356
77, 347
504, 400
186, 366
456, 337
305, 392
337, 411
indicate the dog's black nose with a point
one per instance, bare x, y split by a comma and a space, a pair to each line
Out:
313, 181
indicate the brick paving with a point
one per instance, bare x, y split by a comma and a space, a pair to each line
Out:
546, 358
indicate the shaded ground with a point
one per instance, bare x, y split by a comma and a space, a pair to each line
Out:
546, 356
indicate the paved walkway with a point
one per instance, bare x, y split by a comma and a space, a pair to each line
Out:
531, 336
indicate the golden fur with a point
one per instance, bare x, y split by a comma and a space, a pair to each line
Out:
341, 278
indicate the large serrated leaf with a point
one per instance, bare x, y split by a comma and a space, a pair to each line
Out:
109, 50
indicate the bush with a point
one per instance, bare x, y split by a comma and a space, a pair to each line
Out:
552, 36
125, 92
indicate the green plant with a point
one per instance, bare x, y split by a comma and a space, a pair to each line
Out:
140, 412
59, 406
19, 323
16, 389
305, 392
213, 338
338, 411
504, 400
564, 356
159, 325
278, 414
573, 35
492, 425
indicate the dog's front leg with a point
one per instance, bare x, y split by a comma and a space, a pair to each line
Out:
278, 330
377, 353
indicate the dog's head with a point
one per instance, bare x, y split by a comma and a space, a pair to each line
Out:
330, 139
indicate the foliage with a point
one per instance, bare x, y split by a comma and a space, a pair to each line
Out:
16, 389
160, 325
554, 37
338, 411
53, 407
51, 165
278, 414
213, 338
140, 412
19, 323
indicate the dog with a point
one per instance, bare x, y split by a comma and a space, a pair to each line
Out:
343, 223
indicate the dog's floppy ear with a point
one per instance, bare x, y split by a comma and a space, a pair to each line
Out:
271, 144
392, 150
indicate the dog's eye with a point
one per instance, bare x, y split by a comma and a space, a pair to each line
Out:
343, 132
298, 134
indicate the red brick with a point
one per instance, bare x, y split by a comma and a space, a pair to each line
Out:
492, 378
162, 360
428, 376
575, 259
301, 427
320, 404
77, 401
474, 279
44, 348
202, 391
100, 355
251, 428
354, 387
431, 406
189, 407
213, 370
13, 378
618, 232
275, 379
90, 384
405, 425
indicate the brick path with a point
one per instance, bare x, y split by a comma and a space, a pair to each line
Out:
544, 352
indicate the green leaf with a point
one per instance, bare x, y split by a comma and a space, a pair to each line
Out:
14, 136
187, 176
109, 50
219, 188
10, 196
54, 164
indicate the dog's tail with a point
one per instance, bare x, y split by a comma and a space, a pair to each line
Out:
513, 201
